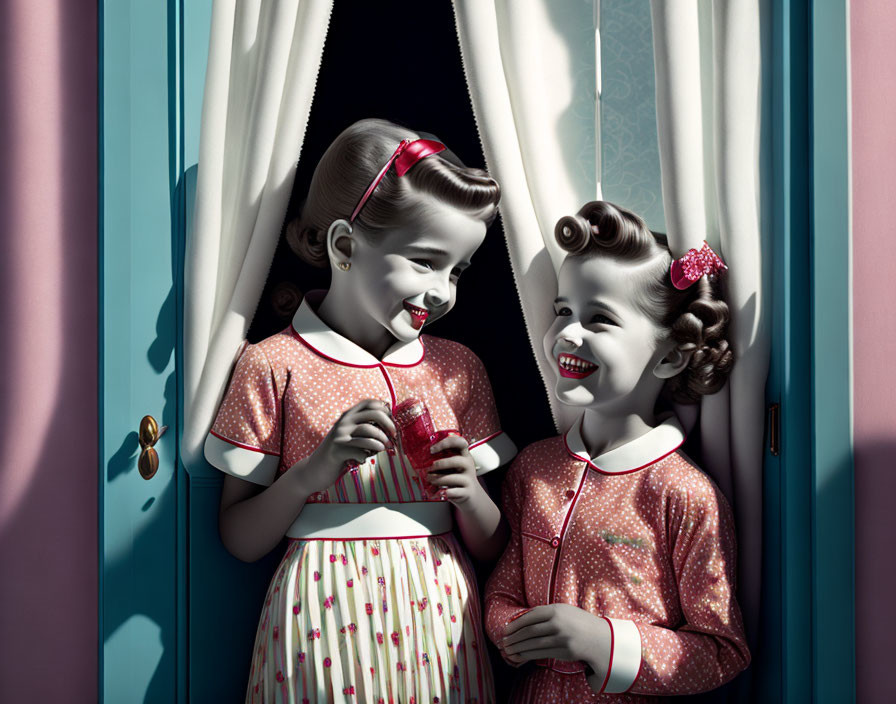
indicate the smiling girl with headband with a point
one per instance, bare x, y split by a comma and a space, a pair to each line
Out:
619, 575
374, 600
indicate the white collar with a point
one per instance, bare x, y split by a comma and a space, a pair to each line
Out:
636, 454
315, 333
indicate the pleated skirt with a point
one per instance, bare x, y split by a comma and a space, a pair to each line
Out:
391, 621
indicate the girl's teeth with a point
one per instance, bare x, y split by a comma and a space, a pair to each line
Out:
576, 365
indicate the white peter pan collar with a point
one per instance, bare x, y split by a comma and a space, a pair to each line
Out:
315, 333
641, 452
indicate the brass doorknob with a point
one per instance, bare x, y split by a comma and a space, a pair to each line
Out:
148, 436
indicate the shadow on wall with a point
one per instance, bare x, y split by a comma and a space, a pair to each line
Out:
139, 535
875, 576
151, 625
48, 312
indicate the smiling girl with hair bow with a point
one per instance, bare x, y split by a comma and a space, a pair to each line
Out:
374, 600
619, 576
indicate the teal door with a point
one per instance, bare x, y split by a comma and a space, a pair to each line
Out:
138, 246
145, 144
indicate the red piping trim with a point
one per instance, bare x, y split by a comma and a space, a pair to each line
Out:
379, 537
536, 537
241, 445
389, 384
407, 366
593, 466
316, 351
556, 566
612, 646
404, 469
295, 334
486, 439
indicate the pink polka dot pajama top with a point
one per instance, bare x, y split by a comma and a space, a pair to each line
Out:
639, 536
379, 619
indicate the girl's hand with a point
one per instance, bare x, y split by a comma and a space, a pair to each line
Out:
455, 477
363, 430
559, 631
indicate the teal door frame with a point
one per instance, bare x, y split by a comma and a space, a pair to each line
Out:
787, 661
809, 485
142, 610
139, 162
833, 505
152, 61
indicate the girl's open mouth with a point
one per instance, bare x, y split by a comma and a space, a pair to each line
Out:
418, 315
573, 367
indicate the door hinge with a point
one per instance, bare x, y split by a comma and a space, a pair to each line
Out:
774, 429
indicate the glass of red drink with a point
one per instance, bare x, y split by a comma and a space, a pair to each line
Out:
418, 434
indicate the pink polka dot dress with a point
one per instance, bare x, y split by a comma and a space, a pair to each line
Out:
390, 617
638, 535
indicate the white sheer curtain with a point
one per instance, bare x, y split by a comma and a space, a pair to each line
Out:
520, 57
264, 57
531, 76
709, 107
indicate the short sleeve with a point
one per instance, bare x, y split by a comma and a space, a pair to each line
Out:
245, 438
489, 445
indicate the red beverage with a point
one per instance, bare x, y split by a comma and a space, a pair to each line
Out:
415, 429
418, 435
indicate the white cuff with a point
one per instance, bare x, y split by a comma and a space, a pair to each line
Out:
625, 658
252, 465
493, 452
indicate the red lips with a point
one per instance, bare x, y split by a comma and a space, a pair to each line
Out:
418, 315
573, 367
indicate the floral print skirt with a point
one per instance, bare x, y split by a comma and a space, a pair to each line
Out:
394, 620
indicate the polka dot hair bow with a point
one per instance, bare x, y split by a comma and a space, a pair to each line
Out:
694, 265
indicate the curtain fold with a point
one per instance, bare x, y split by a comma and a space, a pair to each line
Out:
708, 58
533, 95
264, 59
529, 87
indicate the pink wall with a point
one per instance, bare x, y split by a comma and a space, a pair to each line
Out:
873, 79
48, 315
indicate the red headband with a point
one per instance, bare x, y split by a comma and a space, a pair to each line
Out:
693, 265
406, 154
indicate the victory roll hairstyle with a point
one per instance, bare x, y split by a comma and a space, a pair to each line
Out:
354, 159
697, 317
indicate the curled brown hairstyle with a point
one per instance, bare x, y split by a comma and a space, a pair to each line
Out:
353, 160
696, 318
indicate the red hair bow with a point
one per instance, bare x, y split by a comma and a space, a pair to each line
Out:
694, 265
406, 154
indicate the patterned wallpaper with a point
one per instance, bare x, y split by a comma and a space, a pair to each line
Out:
569, 39
629, 150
